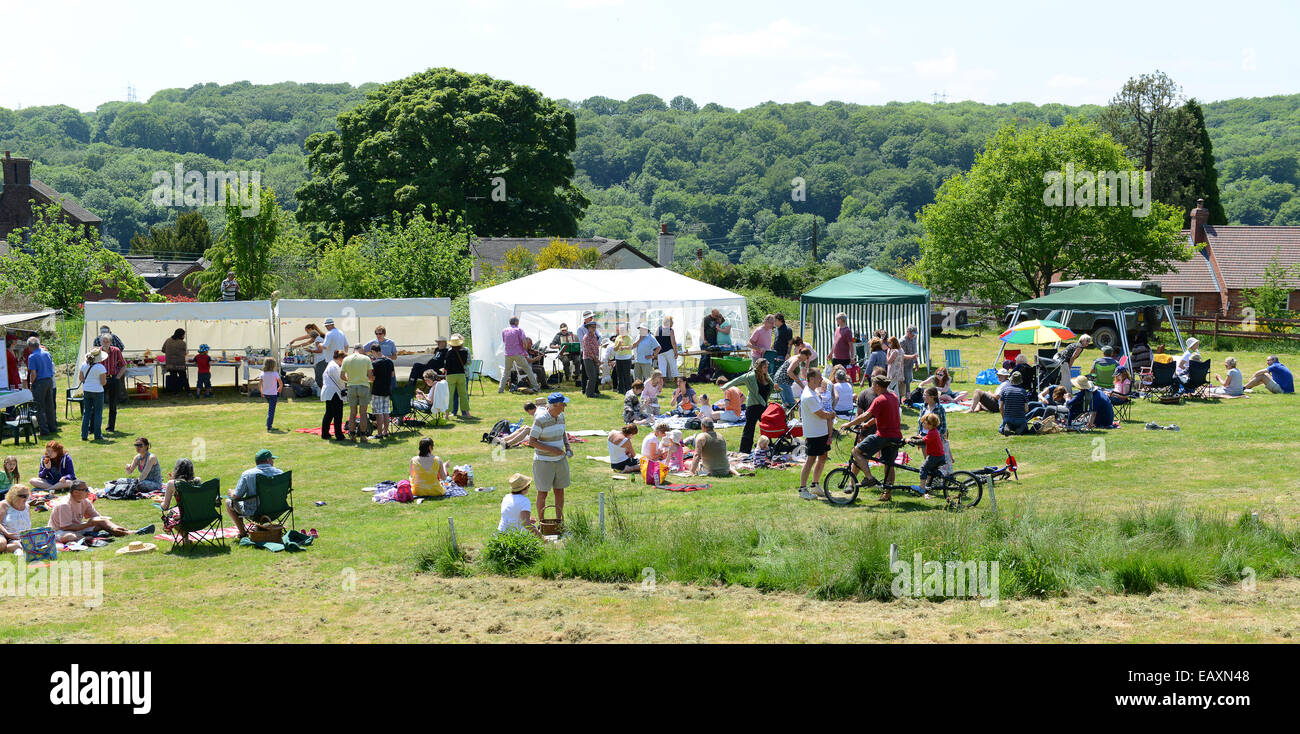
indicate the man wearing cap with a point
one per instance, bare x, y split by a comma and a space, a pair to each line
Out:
550, 443
644, 353
242, 502
569, 360
589, 338
516, 345
1013, 400
335, 341
115, 388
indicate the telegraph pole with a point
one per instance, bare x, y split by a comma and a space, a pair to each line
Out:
814, 238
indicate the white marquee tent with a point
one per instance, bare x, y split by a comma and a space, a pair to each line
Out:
223, 325
544, 300
413, 323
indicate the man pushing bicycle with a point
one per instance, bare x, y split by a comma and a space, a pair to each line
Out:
885, 414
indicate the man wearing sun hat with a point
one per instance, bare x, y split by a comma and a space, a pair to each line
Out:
242, 503
335, 340
1089, 398
589, 337
550, 443
516, 510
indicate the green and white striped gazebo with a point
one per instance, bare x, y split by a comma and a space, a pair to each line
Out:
872, 300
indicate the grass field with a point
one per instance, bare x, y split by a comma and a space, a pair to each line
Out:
361, 581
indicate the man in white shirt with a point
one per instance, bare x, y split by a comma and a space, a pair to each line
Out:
550, 443
335, 340
816, 432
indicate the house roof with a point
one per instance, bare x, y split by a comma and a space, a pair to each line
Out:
492, 250
1243, 252
147, 267
1190, 276
70, 205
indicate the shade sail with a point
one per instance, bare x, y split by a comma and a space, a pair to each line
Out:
1094, 297
620, 298
867, 286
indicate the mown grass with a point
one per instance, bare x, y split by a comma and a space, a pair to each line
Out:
1229, 459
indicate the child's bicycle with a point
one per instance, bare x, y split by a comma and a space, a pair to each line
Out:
960, 490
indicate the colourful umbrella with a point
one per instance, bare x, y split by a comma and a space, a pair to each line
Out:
1036, 332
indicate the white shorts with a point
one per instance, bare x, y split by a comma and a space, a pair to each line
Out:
668, 364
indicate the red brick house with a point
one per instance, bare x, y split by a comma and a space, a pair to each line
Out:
1230, 259
20, 190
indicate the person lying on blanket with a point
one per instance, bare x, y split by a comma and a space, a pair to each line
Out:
519, 431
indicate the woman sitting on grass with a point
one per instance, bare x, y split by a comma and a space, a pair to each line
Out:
683, 398
56, 473
632, 412
622, 454
653, 448
427, 471
1230, 385
15, 518
147, 463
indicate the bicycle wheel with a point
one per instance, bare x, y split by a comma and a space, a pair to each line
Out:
840, 486
962, 490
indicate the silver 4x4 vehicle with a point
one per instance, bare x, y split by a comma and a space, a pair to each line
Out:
1101, 326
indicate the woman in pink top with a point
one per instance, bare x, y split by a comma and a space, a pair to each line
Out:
271, 387
760, 341
842, 347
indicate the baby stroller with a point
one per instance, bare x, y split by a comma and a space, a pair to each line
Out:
775, 424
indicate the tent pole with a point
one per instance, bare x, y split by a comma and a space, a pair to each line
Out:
1173, 324
1123, 330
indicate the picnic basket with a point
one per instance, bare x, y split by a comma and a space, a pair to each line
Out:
265, 531
552, 525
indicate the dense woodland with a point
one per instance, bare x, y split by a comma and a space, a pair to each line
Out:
722, 178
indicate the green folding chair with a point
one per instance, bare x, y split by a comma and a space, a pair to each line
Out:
474, 373
200, 506
1104, 376
402, 410
275, 498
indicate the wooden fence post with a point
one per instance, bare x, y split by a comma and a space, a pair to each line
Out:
451, 525
601, 498
1215, 339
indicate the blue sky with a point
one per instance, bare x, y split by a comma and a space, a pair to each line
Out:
735, 53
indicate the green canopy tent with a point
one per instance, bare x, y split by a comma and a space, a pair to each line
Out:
1098, 298
872, 300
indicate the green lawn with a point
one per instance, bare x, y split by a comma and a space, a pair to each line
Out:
360, 580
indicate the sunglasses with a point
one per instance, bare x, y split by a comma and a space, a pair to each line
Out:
22, 496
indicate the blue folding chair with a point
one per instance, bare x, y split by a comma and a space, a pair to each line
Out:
952, 360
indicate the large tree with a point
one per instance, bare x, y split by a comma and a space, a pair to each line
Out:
1153, 122
246, 246
497, 151
416, 258
998, 234
189, 236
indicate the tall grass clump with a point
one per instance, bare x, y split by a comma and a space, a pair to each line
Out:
512, 552
1039, 554
442, 557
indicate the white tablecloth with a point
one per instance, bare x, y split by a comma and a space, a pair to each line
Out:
15, 397
141, 372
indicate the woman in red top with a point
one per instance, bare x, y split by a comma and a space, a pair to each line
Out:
842, 346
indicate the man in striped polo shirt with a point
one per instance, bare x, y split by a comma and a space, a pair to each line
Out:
551, 452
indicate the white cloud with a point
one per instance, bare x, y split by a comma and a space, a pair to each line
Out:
1067, 81
848, 84
285, 49
941, 66
781, 38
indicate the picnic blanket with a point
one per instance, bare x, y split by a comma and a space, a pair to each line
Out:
589, 432
948, 408
678, 422
201, 535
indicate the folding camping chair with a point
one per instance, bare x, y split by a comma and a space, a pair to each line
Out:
1123, 410
474, 373
952, 360
1104, 376
401, 406
1198, 380
275, 497
1159, 383
200, 508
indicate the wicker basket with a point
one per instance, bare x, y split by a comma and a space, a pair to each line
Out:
265, 531
552, 525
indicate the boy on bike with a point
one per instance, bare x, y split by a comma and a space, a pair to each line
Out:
884, 413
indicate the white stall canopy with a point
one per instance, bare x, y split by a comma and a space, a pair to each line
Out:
619, 298
414, 324
225, 326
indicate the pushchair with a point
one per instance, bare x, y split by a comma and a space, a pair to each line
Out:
775, 424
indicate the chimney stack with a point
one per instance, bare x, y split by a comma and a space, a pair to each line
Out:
17, 171
667, 245
1200, 216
